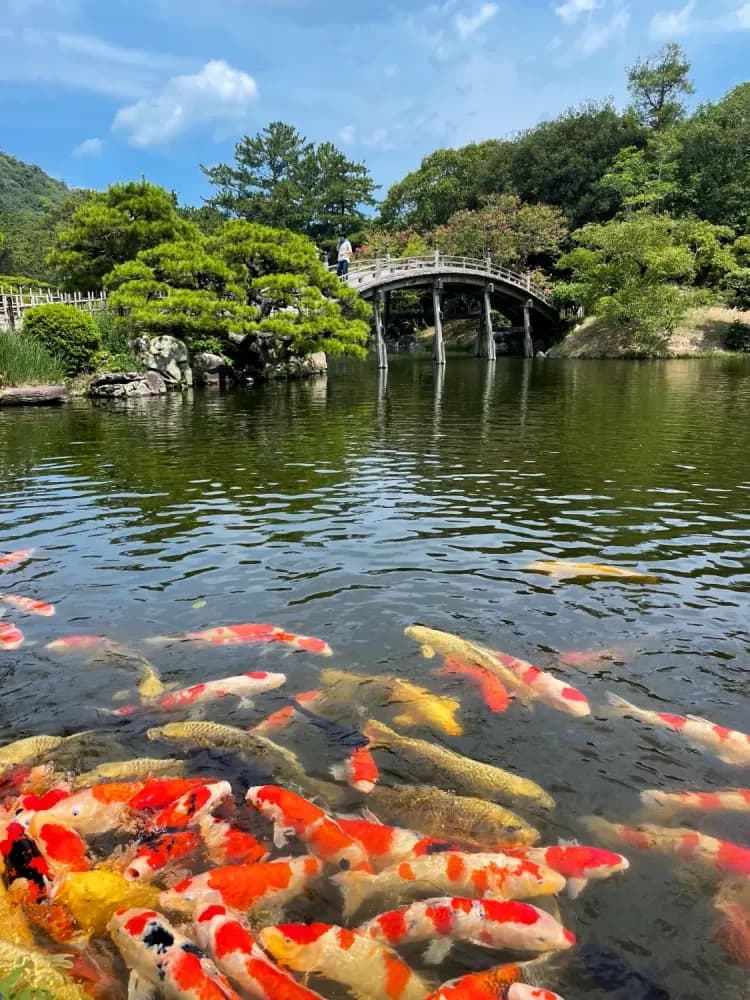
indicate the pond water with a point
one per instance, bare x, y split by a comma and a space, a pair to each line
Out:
350, 507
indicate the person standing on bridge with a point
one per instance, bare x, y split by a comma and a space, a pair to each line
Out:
344, 256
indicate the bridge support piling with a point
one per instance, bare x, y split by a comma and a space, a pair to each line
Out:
485, 336
528, 343
386, 312
438, 347
380, 349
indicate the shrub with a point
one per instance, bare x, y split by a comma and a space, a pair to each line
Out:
23, 360
738, 337
65, 331
117, 353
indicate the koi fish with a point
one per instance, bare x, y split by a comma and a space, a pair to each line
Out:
323, 837
26, 750
12, 559
37, 973
142, 768
243, 686
234, 635
729, 800
228, 845
191, 806
231, 945
520, 991
15, 926
729, 745
28, 604
91, 898
478, 875
462, 819
434, 764
564, 570
281, 718
489, 923
490, 687
150, 684
359, 771
733, 928
387, 845
11, 637
96, 810
63, 850
77, 643
548, 689
167, 959
495, 984
367, 968
722, 855
159, 850
157, 795
23, 861
578, 864
243, 887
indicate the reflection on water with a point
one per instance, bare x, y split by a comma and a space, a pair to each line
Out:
350, 507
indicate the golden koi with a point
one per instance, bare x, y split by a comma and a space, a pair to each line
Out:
729, 745
436, 765
28, 604
150, 684
26, 750
141, 768
563, 570
14, 927
93, 897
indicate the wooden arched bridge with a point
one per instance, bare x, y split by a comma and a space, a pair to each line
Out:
515, 293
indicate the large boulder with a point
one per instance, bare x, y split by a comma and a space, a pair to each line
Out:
127, 385
265, 356
168, 356
209, 369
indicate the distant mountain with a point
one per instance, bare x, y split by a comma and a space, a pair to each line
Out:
25, 187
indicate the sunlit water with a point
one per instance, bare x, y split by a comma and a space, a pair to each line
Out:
348, 508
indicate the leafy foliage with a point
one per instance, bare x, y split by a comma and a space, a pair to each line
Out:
656, 85
26, 188
25, 361
738, 337
67, 333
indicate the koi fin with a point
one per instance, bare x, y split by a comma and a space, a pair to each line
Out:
575, 887
370, 816
428, 652
281, 835
437, 951
246, 704
354, 888
339, 773
618, 703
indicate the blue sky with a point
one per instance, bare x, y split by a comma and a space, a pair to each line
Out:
102, 90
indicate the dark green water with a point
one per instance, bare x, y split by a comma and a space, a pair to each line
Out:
347, 509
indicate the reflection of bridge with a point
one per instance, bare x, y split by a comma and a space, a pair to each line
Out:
514, 293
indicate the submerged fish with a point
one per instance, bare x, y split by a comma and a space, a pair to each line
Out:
118, 770
78, 643
436, 765
727, 800
387, 845
483, 875
359, 770
367, 968
38, 971
28, 604
93, 897
546, 688
14, 558
577, 863
493, 692
569, 570
729, 745
233, 635
150, 684
26, 750
11, 637
462, 819
243, 686
733, 927
488, 923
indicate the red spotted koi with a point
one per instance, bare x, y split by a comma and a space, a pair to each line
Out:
359, 771
729, 800
11, 637
732, 930
228, 845
15, 558
64, 850
244, 686
234, 635
548, 689
158, 793
28, 604
323, 837
243, 887
493, 692
577, 863
282, 717
190, 807
387, 845
78, 643
167, 959
722, 855
489, 923
158, 851
96, 810
229, 942
729, 745
367, 968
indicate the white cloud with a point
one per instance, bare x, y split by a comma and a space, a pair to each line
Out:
347, 135
467, 26
571, 10
217, 94
89, 147
597, 35
670, 24
743, 17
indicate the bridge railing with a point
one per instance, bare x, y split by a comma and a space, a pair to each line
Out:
364, 276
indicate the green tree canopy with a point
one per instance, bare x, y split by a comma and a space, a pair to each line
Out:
656, 85
112, 227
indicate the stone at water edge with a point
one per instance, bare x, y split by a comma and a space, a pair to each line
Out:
127, 385
208, 368
168, 356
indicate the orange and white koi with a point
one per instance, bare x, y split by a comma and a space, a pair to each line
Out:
517, 980
493, 692
489, 923
359, 770
281, 718
28, 604
96, 810
190, 807
157, 851
167, 959
78, 643
367, 968
577, 863
728, 800
158, 793
11, 636
722, 855
243, 686
547, 688
293, 815
494, 876
243, 887
387, 845
234, 635
12, 559
228, 845
729, 745
229, 942
63, 849
733, 927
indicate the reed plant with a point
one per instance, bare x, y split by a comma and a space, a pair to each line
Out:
24, 361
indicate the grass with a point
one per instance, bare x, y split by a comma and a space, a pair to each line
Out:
23, 361
116, 344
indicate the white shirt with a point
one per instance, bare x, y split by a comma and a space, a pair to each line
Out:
345, 250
